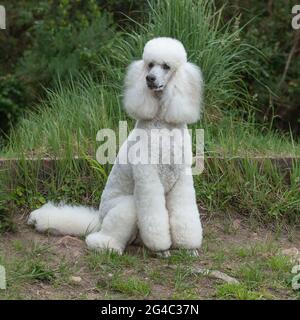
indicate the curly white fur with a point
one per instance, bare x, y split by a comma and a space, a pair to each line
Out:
155, 200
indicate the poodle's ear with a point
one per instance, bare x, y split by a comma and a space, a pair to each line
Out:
139, 103
181, 102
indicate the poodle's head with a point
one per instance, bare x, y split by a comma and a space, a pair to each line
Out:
163, 84
162, 57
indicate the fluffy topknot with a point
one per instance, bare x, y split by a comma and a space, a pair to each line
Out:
165, 50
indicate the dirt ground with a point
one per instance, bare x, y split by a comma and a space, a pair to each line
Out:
41, 266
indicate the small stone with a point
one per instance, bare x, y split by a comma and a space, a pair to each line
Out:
292, 253
255, 236
236, 224
296, 269
75, 279
216, 274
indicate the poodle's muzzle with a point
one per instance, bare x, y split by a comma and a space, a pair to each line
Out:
157, 77
152, 85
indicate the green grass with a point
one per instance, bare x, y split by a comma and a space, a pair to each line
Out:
112, 270
181, 256
26, 265
257, 190
33, 265
131, 286
111, 261
66, 124
233, 137
187, 294
262, 266
237, 292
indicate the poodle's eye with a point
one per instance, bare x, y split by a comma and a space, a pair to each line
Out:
165, 66
150, 65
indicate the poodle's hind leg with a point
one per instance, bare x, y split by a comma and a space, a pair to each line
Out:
118, 228
186, 229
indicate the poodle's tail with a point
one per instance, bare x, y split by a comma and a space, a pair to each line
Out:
65, 219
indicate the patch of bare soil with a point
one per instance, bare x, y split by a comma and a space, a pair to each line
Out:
76, 277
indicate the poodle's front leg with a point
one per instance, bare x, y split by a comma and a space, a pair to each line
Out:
186, 229
152, 215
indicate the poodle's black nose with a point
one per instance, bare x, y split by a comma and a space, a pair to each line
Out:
150, 78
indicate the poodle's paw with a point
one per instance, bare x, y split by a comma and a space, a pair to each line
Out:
193, 252
163, 254
101, 242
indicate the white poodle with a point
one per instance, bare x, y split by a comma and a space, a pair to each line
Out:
156, 201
